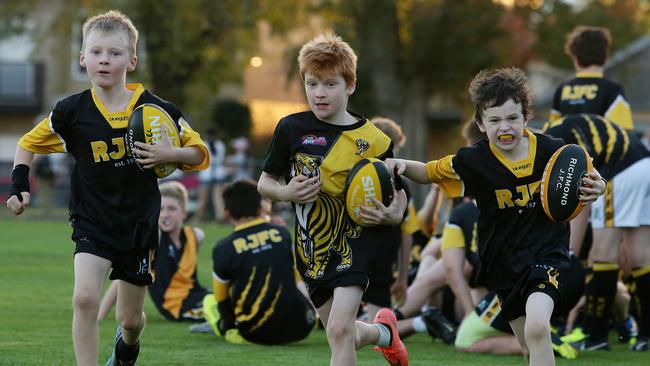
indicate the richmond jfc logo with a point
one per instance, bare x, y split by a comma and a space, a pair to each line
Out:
314, 140
362, 145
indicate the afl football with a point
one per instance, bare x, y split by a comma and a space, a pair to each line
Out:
561, 182
145, 125
369, 178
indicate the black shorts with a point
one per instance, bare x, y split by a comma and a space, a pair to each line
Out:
322, 290
381, 273
133, 266
293, 321
539, 278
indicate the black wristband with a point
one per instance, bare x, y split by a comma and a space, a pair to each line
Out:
19, 181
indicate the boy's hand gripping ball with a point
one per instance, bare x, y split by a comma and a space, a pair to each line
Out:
145, 125
561, 182
369, 178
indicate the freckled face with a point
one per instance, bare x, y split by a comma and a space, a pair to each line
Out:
504, 125
327, 95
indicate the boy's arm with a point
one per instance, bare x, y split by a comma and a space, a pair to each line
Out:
454, 261
300, 189
398, 289
19, 195
200, 235
414, 170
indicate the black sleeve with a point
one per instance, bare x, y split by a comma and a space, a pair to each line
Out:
279, 153
222, 260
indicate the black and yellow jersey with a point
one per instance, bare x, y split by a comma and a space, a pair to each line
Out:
489, 311
255, 264
461, 231
591, 93
328, 243
513, 231
111, 200
176, 289
612, 148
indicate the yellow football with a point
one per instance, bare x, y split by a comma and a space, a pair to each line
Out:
145, 125
369, 178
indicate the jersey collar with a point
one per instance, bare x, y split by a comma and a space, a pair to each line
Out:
258, 221
589, 75
119, 119
524, 167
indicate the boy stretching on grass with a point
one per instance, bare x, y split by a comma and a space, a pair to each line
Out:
114, 206
521, 249
313, 152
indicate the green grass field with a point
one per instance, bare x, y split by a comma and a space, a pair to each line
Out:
36, 277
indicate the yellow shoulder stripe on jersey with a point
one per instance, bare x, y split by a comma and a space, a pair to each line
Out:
42, 139
640, 271
619, 112
522, 168
442, 172
602, 266
452, 237
595, 136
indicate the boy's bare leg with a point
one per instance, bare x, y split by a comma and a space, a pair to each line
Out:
428, 281
344, 333
89, 275
109, 300
518, 326
130, 315
539, 308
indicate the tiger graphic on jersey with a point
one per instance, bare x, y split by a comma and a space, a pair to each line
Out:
319, 218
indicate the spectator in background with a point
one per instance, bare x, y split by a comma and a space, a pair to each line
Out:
239, 163
212, 179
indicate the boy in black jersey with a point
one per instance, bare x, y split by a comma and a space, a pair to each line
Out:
114, 206
254, 277
313, 152
588, 91
520, 248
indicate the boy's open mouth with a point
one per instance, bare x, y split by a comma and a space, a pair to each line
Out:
506, 138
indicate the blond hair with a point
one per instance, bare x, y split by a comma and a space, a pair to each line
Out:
175, 190
328, 53
112, 21
391, 129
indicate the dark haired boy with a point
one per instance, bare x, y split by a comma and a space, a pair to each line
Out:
588, 91
254, 277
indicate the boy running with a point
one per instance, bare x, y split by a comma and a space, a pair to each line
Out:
521, 249
313, 152
114, 207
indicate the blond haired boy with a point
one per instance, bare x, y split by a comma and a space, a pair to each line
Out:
313, 152
114, 207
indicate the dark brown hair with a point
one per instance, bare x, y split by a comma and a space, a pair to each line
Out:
492, 88
588, 45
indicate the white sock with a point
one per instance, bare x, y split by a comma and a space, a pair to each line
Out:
418, 325
384, 335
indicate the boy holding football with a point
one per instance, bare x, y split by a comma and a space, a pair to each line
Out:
313, 152
521, 249
114, 206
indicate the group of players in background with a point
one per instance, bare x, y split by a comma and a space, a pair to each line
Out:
512, 270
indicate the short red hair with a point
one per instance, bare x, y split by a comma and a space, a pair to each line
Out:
328, 53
